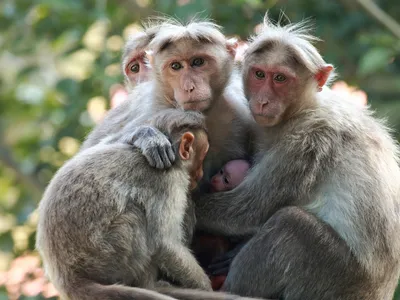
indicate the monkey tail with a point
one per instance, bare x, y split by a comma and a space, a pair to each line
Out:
189, 294
93, 290
97, 291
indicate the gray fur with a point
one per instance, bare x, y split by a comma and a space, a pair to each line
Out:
107, 217
322, 199
228, 119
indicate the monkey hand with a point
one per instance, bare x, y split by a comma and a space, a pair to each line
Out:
221, 264
154, 145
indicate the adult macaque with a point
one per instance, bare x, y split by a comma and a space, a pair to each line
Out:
323, 196
190, 69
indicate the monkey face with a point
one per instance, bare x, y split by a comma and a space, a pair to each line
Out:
230, 176
193, 73
137, 70
278, 82
270, 92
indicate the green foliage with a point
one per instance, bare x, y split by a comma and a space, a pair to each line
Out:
59, 59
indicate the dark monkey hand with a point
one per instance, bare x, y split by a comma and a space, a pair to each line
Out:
221, 264
155, 146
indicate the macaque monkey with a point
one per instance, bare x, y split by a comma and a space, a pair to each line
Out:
107, 217
135, 61
323, 195
229, 176
191, 68
209, 247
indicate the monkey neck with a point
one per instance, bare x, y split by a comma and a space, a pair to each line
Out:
304, 103
308, 102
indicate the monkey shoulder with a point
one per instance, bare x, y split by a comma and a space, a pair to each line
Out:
129, 112
105, 179
357, 127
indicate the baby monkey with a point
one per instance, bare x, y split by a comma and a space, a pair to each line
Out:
208, 247
109, 222
229, 176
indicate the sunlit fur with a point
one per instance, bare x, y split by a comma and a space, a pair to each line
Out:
171, 30
330, 165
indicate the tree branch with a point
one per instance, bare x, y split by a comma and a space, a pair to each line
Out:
382, 17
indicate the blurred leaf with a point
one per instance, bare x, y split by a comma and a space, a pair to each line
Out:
6, 242
374, 60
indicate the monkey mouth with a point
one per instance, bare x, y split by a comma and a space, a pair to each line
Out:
198, 105
195, 101
265, 115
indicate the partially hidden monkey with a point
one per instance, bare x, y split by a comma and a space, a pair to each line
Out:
136, 66
323, 195
109, 222
229, 176
210, 248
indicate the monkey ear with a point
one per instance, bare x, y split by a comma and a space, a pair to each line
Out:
322, 75
232, 45
186, 145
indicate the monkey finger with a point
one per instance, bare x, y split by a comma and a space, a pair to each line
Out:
164, 157
158, 157
171, 154
152, 157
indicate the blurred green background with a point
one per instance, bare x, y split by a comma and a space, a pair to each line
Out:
59, 58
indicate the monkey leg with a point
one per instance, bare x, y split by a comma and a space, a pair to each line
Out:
296, 256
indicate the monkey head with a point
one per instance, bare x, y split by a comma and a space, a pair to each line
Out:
135, 61
137, 70
192, 64
230, 175
192, 150
282, 72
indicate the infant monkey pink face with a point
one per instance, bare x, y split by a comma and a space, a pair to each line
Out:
230, 175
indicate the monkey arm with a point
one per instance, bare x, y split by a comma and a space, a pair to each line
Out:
285, 176
155, 146
178, 262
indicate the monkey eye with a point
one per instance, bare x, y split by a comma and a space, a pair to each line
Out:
176, 66
135, 68
197, 62
226, 180
279, 77
221, 171
260, 74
